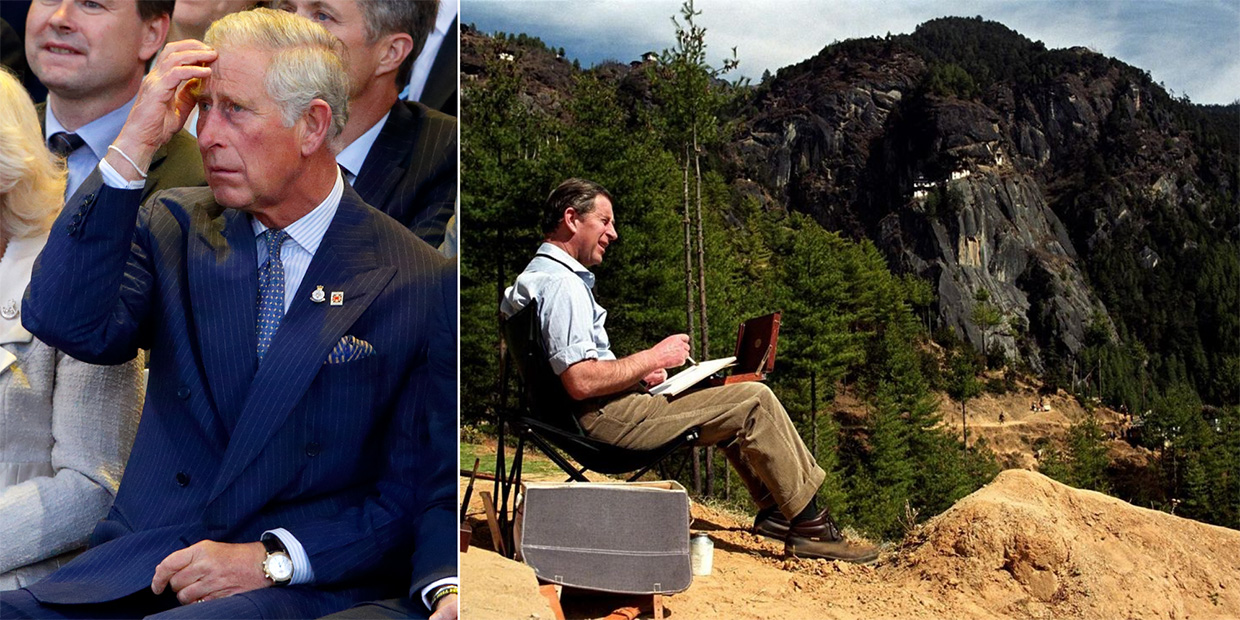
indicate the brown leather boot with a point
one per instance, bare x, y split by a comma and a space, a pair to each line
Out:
772, 525
776, 525
842, 550
820, 538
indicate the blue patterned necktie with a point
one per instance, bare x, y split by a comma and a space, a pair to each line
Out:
270, 290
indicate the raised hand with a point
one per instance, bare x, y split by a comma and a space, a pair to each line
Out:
163, 103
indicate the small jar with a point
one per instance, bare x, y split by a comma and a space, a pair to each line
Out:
701, 554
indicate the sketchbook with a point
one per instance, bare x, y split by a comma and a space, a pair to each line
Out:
690, 376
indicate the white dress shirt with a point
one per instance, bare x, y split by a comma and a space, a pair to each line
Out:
305, 235
353, 156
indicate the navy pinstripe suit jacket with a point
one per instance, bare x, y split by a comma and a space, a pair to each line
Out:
356, 459
410, 171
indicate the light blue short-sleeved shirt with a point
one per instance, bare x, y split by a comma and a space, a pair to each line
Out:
571, 320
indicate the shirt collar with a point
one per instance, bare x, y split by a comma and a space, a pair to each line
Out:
97, 134
447, 12
550, 249
353, 156
309, 229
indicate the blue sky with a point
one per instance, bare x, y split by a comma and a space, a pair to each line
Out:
1191, 46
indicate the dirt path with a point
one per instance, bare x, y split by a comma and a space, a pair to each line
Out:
1024, 547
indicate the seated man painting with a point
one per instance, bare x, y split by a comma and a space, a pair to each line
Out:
298, 440
745, 419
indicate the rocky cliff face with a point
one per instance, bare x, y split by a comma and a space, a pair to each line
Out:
984, 192
1066, 185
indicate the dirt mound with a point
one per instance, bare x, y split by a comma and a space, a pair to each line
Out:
1028, 546
1024, 547
511, 589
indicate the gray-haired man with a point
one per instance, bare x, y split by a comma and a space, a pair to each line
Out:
297, 445
745, 419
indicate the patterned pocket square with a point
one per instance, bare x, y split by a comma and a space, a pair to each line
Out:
349, 349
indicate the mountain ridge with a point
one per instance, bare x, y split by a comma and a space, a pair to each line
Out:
1067, 187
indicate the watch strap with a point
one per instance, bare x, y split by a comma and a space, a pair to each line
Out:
272, 543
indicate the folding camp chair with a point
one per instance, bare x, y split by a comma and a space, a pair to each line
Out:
547, 417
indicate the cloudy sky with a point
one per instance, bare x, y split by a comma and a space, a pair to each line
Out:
1191, 46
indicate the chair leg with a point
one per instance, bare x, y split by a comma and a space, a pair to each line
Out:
500, 487
573, 472
513, 488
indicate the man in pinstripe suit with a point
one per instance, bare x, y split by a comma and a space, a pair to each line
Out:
399, 155
294, 452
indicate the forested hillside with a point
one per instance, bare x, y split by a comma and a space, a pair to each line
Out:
922, 208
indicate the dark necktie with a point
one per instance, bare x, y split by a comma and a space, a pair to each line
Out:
62, 143
270, 290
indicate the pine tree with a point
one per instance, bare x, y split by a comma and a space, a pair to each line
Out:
503, 146
1087, 456
690, 107
962, 385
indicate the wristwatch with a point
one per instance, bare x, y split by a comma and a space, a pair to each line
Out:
278, 566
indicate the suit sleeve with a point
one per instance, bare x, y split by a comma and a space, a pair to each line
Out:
416, 495
90, 288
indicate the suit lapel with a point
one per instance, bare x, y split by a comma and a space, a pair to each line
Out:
344, 262
386, 161
441, 82
223, 285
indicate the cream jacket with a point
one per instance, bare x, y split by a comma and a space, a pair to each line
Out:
65, 432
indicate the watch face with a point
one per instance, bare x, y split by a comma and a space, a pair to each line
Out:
279, 566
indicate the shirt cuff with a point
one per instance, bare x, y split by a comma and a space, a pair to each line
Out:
446, 581
113, 179
302, 571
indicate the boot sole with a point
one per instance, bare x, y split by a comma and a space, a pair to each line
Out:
865, 560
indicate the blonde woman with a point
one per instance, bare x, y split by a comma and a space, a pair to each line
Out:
65, 426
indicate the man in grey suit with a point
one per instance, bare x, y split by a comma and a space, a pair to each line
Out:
92, 56
400, 156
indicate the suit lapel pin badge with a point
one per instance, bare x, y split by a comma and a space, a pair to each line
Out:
9, 309
318, 296
337, 298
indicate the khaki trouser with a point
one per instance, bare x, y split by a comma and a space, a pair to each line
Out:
745, 419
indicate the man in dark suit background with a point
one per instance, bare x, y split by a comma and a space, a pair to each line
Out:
401, 155
92, 56
294, 453
433, 80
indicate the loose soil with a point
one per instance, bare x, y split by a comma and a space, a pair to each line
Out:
1023, 547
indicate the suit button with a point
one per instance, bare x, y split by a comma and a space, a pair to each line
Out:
313, 449
182, 479
77, 218
71, 228
88, 199
183, 393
